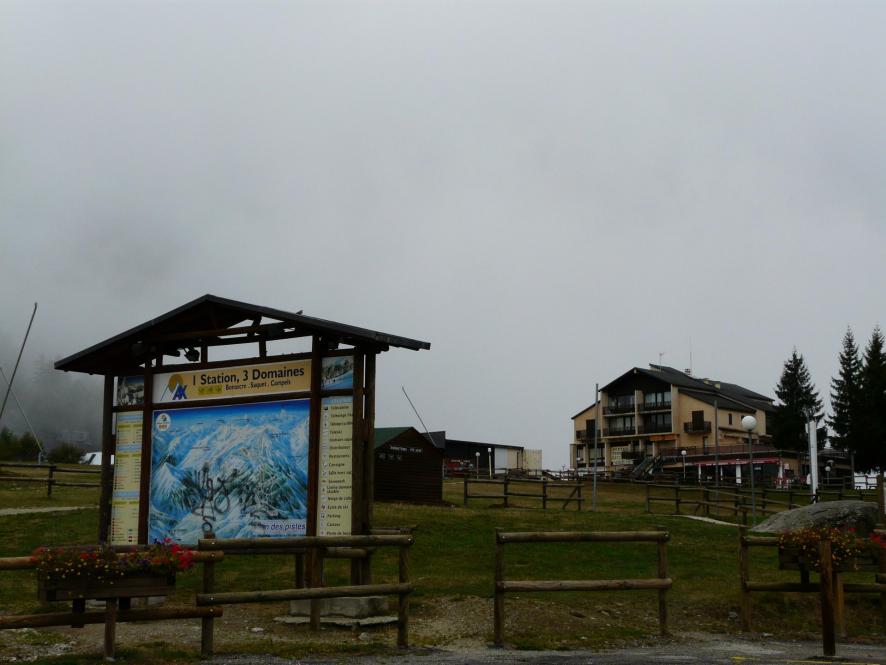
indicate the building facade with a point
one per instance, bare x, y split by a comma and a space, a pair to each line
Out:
662, 416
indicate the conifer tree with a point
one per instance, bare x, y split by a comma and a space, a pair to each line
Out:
872, 412
846, 396
799, 401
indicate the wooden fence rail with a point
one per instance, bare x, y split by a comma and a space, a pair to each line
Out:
309, 553
78, 616
707, 499
508, 491
661, 583
50, 479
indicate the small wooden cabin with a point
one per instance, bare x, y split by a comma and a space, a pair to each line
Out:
408, 465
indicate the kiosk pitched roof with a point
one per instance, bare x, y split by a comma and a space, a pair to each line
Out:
207, 320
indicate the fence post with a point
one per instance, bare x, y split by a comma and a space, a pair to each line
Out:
544, 494
662, 573
744, 574
49, 480
299, 571
580, 500
648, 495
677, 499
706, 498
882, 568
829, 645
206, 623
499, 602
110, 627
466, 491
881, 499
505, 490
403, 600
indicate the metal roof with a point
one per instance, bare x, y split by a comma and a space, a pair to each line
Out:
204, 320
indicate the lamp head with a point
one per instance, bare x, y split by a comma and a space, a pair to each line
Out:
683, 452
748, 423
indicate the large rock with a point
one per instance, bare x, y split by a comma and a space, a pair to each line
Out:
860, 515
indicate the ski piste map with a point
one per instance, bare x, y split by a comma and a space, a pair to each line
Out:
238, 471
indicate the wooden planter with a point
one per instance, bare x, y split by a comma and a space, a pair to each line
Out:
81, 588
791, 559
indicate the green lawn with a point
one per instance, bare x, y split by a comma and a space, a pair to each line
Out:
452, 566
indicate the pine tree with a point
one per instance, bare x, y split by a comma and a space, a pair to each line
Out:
799, 400
846, 396
872, 412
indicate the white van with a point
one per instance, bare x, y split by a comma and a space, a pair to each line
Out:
94, 459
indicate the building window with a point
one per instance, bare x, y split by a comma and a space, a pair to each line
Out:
621, 402
658, 400
730, 418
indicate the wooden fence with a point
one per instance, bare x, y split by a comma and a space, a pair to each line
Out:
309, 553
709, 500
116, 609
831, 587
50, 479
522, 488
661, 583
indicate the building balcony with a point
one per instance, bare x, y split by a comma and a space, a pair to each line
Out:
697, 428
618, 431
612, 409
583, 436
655, 406
655, 428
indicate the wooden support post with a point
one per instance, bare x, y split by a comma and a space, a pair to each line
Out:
316, 581
839, 605
544, 494
110, 627
648, 497
107, 472
790, 499
662, 574
49, 480
499, 601
882, 568
580, 500
676, 499
403, 601
505, 490
828, 638
206, 623
466, 491
78, 606
299, 571
744, 576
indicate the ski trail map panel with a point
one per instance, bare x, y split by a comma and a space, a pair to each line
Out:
240, 471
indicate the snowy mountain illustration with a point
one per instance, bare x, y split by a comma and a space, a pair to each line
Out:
238, 471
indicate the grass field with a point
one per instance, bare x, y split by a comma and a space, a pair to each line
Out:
452, 565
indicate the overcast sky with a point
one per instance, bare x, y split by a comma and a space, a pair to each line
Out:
548, 192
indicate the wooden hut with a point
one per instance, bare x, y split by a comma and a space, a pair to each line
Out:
408, 465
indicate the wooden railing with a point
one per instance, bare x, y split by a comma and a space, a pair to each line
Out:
710, 500
309, 552
78, 616
661, 583
50, 480
830, 586
542, 488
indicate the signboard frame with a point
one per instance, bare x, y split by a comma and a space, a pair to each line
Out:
361, 481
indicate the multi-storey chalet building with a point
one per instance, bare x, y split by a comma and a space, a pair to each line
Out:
649, 417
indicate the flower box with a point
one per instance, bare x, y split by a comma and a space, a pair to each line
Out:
791, 558
85, 587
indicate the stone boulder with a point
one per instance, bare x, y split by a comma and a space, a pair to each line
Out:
860, 515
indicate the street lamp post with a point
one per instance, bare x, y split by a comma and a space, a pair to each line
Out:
489, 451
477, 465
749, 423
683, 455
